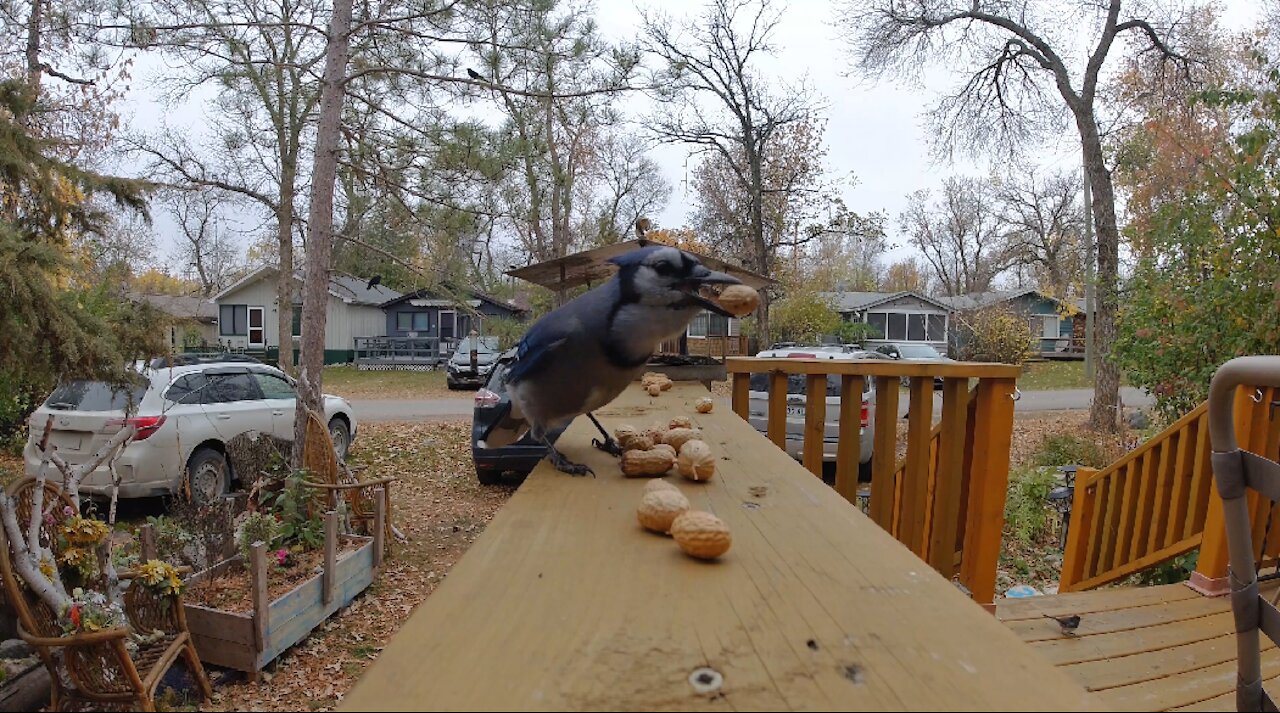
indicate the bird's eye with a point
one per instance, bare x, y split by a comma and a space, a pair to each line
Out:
663, 268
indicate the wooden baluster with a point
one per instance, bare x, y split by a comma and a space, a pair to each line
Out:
849, 450
778, 409
915, 484
946, 493
884, 458
742, 395
815, 422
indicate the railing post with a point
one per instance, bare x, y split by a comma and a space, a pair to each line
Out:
1082, 501
849, 449
1210, 577
742, 395
988, 486
884, 447
815, 422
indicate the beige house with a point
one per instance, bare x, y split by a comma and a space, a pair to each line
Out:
248, 315
193, 319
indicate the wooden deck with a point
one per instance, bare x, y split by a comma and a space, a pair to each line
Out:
1141, 649
564, 603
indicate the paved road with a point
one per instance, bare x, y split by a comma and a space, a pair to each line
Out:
437, 409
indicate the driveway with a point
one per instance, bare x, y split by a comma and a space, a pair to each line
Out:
450, 409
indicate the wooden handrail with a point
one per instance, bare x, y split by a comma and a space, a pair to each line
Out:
946, 501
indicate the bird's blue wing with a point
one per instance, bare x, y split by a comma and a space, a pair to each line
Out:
538, 346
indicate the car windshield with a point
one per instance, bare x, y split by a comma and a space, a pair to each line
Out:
796, 384
482, 345
82, 395
918, 351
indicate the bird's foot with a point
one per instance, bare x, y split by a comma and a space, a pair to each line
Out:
565, 465
609, 446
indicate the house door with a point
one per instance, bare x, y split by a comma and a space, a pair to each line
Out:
257, 328
448, 328
465, 326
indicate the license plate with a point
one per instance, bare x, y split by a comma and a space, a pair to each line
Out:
795, 410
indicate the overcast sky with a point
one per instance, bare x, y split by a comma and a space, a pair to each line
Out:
874, 131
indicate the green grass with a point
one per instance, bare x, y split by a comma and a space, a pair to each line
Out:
1052, 375
348, 382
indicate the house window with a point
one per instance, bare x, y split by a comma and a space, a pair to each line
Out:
698, 327
413, 321
233, 320
877, 321
897, 330
915, 327
297, 320
937, 328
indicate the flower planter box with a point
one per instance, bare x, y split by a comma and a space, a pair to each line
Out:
249, 641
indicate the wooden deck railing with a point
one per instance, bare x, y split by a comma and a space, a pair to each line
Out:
1147, 507
946, 501
1158, 502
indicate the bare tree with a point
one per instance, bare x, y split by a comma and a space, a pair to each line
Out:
262, 58
1044, 222
626, 185
712, 96
1018, 54
961, 235
206, 248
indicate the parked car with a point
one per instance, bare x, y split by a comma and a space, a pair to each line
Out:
461, 371
500, 442
184, 415
914, 351
797, 396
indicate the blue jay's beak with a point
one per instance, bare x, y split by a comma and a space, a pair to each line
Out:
704, 278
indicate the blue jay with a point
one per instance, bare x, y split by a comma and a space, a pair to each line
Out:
580, 356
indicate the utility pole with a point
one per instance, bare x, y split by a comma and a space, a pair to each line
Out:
1090, 268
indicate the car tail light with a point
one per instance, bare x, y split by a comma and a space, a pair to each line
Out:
145, 425
865, 413
487, 399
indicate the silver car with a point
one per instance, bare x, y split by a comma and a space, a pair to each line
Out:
797, 396
184, 416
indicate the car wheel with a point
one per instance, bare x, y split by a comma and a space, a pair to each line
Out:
864, 470
341, 435
207, 476
487, 476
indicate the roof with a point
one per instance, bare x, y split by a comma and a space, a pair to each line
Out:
444, 302
979, 300
201, 309
348, 288
593, 266
857, 301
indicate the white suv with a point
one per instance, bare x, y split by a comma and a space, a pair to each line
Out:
796, 397
184, 414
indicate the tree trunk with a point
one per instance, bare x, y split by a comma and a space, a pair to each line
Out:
1103, 416
315, 288
761, 249
284, 280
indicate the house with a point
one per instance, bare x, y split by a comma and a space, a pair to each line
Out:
193, 319
895, 316
248, 316
436, 314
1049, 319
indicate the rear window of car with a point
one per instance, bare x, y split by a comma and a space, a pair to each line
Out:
797, 384
97, 395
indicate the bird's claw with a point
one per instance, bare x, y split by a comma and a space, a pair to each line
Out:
609, 446
565, 465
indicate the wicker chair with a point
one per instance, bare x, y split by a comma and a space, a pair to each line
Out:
97, 670
338, 481
1235, 472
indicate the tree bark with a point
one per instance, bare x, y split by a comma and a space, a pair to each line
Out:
1104, 413
284, 280
315, 288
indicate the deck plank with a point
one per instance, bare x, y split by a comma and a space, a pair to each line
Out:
565, 603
